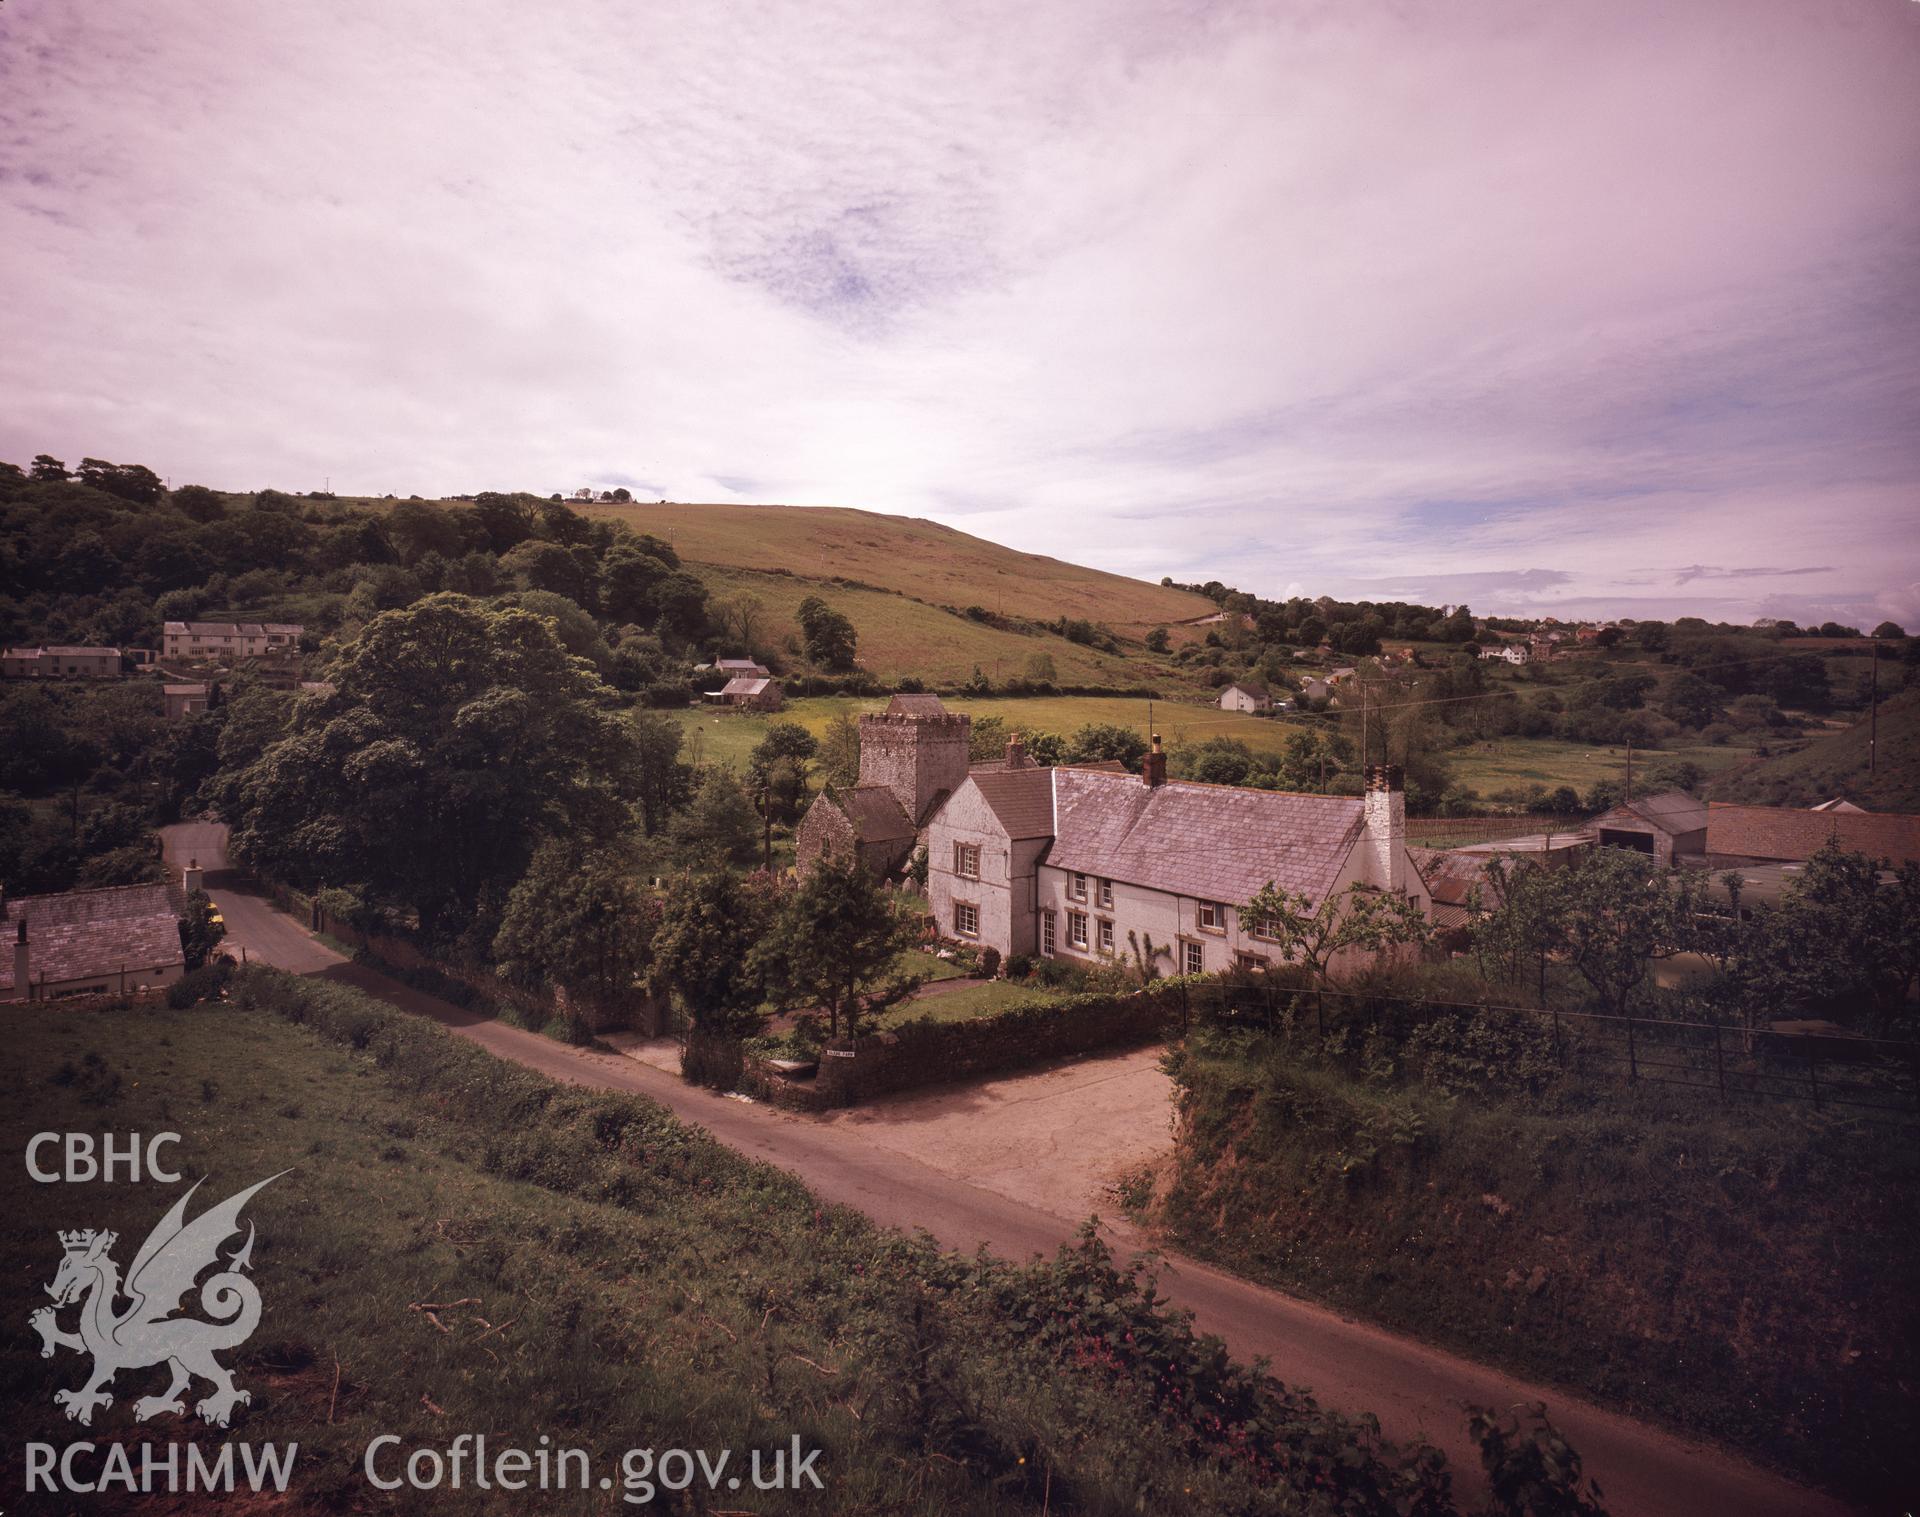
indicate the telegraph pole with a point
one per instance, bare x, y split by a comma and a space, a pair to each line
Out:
1873, 718
1629, 768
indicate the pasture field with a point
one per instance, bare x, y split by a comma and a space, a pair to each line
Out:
1485, 768
920, 558
900, 636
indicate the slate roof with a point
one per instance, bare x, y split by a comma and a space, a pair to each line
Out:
1252, 687
89, 934
915, 705
67, 650
194, 689
1772, 832
1210, 842
1020, 799
231, 629
875, 811
741, 666
745, 686
1672, 811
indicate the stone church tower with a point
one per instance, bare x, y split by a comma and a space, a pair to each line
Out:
920, 756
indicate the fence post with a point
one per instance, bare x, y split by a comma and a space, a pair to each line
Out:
1813, 1079
1633, 1056
1559, 1058
1320, 1012
1719, 1064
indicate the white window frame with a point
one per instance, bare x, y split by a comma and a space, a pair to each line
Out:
1077, 885
1077, 930
1190, 950
1047, 938
1105, 935
961, 911
966, 860
1105, 891
1210, 916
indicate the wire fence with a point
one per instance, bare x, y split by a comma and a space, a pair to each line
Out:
1457, 831
1816, 1063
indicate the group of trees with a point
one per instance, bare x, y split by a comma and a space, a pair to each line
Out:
1841, 941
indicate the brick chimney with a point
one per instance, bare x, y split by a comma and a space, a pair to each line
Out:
193, 877
1017, 753
22, 985
1154, 770
1385, 838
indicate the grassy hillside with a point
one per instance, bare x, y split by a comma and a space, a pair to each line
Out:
900, 636
1836, 764
611, 1279
921, 558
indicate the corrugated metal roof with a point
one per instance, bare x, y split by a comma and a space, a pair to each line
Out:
1773, 832
1210, 842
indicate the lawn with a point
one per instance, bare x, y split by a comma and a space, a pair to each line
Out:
970, 1001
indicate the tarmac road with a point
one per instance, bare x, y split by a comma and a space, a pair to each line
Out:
1351, 1366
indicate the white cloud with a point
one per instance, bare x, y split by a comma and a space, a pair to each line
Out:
1283, 295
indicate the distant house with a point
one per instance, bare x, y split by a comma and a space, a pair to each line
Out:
1738, 835
1667, 827
61, 661
202, 642
1315, 689
1838, 803
1512, 653
748, 694
736, 668
185, 699
89, 942
1246, 695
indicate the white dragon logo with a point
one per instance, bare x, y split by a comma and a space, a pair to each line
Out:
147, 1333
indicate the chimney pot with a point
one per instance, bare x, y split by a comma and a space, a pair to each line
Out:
1154, 771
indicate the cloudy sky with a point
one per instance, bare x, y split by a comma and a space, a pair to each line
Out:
1568, 304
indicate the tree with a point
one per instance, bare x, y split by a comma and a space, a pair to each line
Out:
1517, 922
836, 944
1157, 640
579, 921
47, 469
1313, 934
539, 565
198, 503
1800, 681
630, 581
1619, 915
622, 494
830, 637
777, 769
1101, 741
1891, 630
1691, 701
742, 613
840, 750
459, 738
701, 958
1040, 667
664, 782
718, 827
200, 930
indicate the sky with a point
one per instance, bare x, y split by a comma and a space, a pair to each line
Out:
1590, 307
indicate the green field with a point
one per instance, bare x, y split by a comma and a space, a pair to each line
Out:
983, 1000
1836, 764
1485, 768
